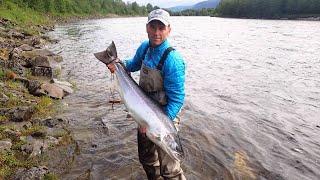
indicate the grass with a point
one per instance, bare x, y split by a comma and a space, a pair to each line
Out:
2, 74
3, 119
44, 107
11, 161
50, 176
24, 17
32, 130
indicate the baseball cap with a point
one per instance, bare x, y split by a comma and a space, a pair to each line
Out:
160, 15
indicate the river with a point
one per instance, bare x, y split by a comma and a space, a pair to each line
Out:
252, 107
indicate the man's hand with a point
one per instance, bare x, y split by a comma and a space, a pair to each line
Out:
111, 67
142, 130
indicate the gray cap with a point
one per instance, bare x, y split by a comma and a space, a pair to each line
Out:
159, 14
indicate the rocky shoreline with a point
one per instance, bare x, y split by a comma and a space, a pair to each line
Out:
31, 135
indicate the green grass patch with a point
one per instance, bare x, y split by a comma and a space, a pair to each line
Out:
50, 176
24, 17
2, 74
36, 129
13, 101
44, 107
3, 119
10, 162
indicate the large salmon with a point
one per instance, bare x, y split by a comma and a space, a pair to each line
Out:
145, 111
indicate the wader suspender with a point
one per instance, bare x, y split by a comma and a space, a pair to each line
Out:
163, 57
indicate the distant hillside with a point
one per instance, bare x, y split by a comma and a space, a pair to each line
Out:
206, 4
179, 8
198, 6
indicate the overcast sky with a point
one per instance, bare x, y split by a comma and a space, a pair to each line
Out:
166, 3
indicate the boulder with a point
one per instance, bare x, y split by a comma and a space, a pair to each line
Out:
3, 98
42, 61
5, 145
26, 47
12, 134
57, 58
42, 71
31, 174
19, 114
52, 90
66, 86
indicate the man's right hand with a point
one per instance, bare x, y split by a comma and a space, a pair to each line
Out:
111, 67
142, 130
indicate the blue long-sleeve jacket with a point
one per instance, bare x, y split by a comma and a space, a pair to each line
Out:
173, 73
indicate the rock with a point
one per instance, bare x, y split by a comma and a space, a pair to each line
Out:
53, 122
12, 134
4, 111
52, 90
34, 88
40, 133
20, 114
57, 58
34, 173
52, 141
42, 71
27, 125
66, 86
26, 47
63, 83
3, 98
15, 34
5, 144
11, 75
41, 61
23, 80
56, 132
4, 54
36, 52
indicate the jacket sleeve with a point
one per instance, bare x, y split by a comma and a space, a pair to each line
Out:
134, 64
174, 80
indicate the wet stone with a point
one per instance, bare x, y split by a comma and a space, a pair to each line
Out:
20, 114
26, 47
5, 144
32, 173
42, 71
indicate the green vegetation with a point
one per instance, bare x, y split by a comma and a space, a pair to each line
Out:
50, 176
2, 74
269, 9
9, 162
192, 12
41, 12
35, 129
44, 107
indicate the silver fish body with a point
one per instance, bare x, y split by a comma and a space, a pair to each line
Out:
148, 113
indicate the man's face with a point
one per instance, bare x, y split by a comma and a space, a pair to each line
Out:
157, 32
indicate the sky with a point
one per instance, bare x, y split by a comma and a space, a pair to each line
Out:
166, 3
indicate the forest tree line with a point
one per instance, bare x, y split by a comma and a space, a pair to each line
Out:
83, 7
269, 8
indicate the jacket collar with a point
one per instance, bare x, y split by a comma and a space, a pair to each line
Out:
161, 47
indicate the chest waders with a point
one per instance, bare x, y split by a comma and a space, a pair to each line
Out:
151, 80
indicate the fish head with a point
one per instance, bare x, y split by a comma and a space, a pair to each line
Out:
174, 146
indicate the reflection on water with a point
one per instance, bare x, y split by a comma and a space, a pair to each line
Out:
252, 106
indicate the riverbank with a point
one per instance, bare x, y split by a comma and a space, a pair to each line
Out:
313, 17
32, 139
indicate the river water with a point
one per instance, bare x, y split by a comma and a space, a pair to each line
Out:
252, 107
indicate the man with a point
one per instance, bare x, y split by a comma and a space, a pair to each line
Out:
162, 76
